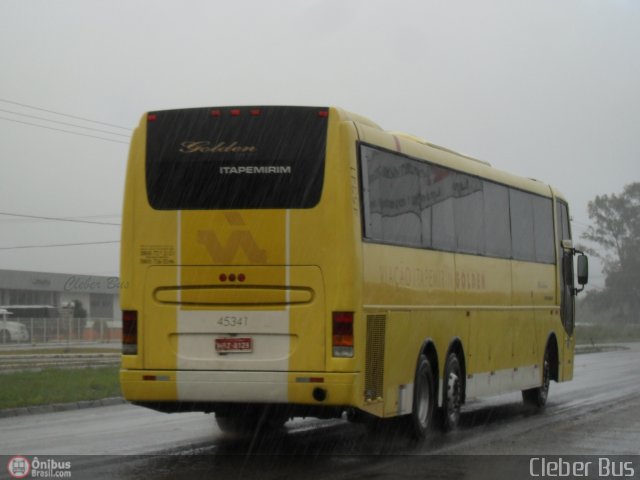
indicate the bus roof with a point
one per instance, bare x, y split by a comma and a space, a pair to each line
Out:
419, 148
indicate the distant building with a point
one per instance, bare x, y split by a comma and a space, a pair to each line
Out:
98, 295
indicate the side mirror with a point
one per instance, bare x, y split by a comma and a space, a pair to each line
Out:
583, 269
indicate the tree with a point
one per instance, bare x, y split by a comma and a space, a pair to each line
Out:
79, 310
80, 314
617, 231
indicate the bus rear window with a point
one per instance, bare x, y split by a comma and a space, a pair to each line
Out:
235, 157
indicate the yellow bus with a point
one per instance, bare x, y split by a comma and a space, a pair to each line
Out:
301, 261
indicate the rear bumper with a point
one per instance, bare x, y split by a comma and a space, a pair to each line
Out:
301, 388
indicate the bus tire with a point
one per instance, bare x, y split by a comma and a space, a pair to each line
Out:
421, 418
537, 397
452, 394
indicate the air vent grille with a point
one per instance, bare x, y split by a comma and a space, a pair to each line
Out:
374, 369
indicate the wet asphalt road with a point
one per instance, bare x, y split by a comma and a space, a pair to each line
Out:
597, 414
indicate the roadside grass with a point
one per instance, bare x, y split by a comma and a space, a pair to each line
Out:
58, 385
58, 351
606, 333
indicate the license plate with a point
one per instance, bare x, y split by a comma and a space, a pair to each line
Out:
234, 345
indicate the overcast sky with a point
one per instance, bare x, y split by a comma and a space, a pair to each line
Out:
548, 89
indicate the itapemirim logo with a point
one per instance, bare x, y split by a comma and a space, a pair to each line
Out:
19, 466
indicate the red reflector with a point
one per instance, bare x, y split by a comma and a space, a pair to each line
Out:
241, 277
223, 277
309, 380
235, 112
156, 378
152, 117
323, 113
255, 112
215, 113
232, 277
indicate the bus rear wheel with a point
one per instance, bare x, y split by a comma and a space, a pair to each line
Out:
537, 397
452, 401
421, 418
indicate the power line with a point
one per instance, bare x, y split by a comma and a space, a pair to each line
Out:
102, 215
58, 245
63, 114
580, 223
63, 123
65, 131
81, 217
58, 219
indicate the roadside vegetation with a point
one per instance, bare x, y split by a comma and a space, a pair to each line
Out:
57, 385
609, 310
597, 334
57, 351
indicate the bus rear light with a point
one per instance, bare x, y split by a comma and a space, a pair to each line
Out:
129, 332
152, 117
232, 277
342, 334
215, 113
235, 112
323, 113
255, 112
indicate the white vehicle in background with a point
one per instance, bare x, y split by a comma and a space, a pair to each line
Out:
11, 331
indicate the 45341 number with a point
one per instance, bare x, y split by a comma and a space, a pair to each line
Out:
233, 321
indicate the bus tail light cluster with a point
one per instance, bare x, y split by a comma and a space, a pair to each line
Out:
236, 112
342, 334
129, 332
